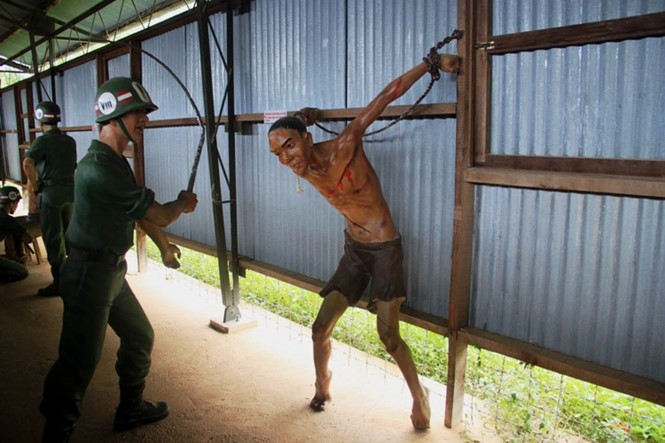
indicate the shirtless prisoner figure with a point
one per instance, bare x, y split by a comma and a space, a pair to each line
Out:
340, 171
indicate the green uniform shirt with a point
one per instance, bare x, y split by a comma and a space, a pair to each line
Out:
107, 202
54, 154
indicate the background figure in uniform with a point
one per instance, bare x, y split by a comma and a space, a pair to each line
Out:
93, 285
12, 266
341, 172
49, 165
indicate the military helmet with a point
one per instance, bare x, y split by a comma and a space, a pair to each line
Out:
9, 194
47, 112
120, 95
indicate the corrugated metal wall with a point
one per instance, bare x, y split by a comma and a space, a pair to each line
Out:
292, 66
575, 273
174, 149
10, 141
599, 101
119, 66
282, 64
510, 16
76, 97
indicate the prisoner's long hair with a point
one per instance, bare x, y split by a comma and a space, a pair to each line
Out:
289, 123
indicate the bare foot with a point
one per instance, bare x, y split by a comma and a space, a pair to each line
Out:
449, 63
322, 394
421, 412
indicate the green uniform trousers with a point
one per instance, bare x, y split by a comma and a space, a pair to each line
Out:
55, 213
95, 293
11, 270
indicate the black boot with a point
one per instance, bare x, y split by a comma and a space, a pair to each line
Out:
54, 434
53, 289
133, 411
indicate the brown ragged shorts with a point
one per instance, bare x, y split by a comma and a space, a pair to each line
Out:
379, 262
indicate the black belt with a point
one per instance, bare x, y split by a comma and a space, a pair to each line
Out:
95, 256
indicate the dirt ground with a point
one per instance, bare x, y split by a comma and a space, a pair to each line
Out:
251, 385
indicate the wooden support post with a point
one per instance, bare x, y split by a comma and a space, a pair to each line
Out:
139, 163
462, 254
455, 385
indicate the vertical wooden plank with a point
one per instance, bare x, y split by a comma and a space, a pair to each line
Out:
460, 282
30, 137
139, 159
455, 383
482, 79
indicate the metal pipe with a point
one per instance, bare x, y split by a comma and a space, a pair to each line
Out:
231, 311
235, 266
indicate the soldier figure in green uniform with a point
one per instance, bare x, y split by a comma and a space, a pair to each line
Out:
93, 285
49, 165
11, 230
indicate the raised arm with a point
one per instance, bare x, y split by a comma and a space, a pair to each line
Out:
394, 90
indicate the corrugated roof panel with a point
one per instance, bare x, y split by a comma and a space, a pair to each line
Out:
510, 16
600, 101
576, 273
100, 26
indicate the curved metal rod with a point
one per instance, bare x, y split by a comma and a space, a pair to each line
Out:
199, 149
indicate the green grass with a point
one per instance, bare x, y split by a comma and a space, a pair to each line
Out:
523, 402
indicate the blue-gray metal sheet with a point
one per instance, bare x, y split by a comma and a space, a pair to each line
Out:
8, 109
511, 16
594, 101
77, 95
179, 51
292, 66
169, 153
119, 66
83, 140
43, 85
174, 149
304, 234
301, 232
387, 38
579, 274
10, 150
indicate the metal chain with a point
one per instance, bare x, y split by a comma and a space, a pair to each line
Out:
432, 61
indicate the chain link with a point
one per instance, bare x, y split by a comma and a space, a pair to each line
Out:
432, 61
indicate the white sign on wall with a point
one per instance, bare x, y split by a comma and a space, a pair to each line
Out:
273, 116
